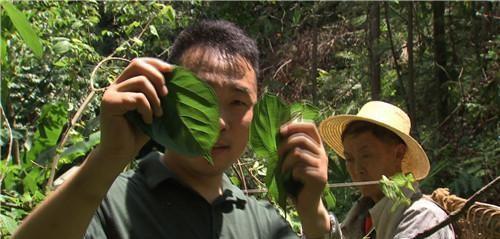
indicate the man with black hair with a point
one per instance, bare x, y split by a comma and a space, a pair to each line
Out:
171, 195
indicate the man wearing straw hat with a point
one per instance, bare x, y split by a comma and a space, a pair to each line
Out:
377, 142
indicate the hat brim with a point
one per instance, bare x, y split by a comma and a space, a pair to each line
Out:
414, 161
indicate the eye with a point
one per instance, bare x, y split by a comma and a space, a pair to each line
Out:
239, 103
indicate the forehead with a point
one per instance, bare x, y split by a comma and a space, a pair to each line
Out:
220, 69
361, 140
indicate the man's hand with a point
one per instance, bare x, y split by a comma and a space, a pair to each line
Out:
304, 156
139, 87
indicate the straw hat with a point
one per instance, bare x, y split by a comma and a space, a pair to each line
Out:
387, 116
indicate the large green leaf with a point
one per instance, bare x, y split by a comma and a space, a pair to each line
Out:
23, 27
80, 148
303, 111
190, 123
269, 114
49, 127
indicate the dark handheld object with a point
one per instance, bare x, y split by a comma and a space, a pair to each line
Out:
292, 186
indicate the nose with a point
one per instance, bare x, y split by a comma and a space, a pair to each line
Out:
223, 121
360, 169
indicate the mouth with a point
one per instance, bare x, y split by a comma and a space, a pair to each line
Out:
220, 148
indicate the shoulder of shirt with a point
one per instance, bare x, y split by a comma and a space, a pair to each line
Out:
425, 205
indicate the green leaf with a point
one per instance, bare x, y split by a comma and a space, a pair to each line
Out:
393, 188
31, 180
153, 31
137, 41
3, 50
170, 12
329, 198
80, 148
190, 123
269, 114
62, 46
49, 127
9, 223
24, 28
303, 111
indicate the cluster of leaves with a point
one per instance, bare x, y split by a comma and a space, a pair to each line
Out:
270, 113
393, 188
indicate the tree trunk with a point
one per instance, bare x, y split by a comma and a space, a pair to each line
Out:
314, 63
395, 56
440, 58
373, 51
411, 72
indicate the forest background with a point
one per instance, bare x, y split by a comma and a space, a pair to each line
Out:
436, 60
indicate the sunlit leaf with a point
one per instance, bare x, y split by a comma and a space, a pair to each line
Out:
153, 31
23, 27
269, 114
393, 188
190, 123
170, 12
62, 47
9, 223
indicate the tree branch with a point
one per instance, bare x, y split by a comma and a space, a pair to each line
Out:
456, 214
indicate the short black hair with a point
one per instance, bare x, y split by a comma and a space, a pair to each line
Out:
223, 36
358, 126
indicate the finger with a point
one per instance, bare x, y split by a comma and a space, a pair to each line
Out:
303, 127
299, 158
309, 174
142, 66
138, 101
141, 84
300, 140
162, 66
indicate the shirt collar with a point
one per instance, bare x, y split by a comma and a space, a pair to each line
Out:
155, 172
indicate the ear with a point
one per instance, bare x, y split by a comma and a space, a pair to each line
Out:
400, 151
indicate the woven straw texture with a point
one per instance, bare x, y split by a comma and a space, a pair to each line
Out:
481, 220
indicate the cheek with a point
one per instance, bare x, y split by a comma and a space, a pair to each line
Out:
350, 170
244, 120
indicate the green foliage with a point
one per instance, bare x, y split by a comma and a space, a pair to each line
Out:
50, 125
393, 188
269, 114
24, 27
75, 36
190, 123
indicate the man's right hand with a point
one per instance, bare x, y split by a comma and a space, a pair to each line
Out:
139, 87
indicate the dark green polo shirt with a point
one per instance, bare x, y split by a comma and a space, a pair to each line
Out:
151, 203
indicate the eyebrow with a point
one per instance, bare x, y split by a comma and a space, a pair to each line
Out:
240, 89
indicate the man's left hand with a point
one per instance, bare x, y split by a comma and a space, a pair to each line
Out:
304, 156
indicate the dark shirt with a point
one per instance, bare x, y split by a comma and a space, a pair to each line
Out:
152, 203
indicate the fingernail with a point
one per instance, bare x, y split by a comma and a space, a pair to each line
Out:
165, 90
